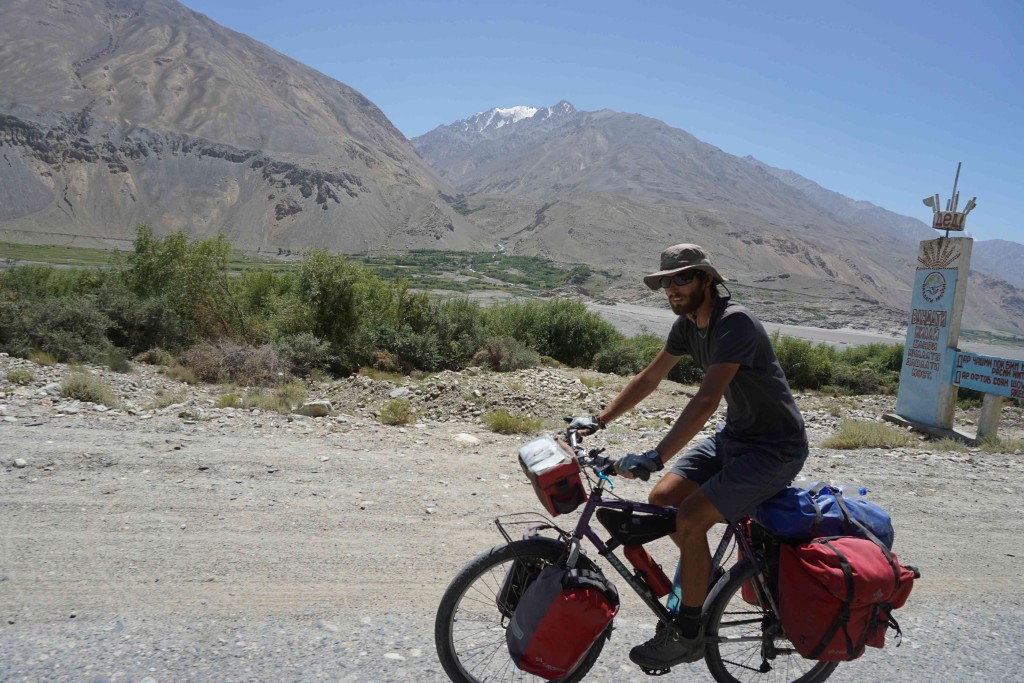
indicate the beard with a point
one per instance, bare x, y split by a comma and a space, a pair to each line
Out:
688, 303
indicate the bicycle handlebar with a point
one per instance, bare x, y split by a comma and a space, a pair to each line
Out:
601, 464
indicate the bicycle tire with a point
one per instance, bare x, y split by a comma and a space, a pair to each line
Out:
471, 644
740, 662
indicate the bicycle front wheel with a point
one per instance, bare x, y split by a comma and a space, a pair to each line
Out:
469, 631
746, 643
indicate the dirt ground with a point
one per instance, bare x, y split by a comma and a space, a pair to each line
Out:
188, 543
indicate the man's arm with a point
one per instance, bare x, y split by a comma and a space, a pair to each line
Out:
700, 408
640, 387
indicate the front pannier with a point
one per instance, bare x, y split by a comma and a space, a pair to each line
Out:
558, 619
555, 474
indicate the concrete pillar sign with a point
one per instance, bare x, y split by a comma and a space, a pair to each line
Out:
927, 394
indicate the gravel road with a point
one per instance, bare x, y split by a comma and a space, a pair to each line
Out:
238, 546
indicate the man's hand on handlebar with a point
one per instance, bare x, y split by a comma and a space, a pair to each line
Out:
585, 425
639, 465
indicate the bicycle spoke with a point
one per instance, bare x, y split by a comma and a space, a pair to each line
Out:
745, 645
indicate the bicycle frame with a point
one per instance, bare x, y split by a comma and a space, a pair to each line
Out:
583, 529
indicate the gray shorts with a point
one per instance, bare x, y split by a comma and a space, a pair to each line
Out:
736, 476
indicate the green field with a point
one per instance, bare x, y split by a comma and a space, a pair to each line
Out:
55, 255
423, 269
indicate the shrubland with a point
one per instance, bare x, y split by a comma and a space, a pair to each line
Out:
174, 301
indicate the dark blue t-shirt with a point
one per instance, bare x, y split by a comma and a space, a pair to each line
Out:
761, 408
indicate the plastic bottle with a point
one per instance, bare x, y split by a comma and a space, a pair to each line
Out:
803, 482
649, 569
851, 490
675, 598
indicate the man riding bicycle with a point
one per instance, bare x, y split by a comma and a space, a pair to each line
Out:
759, 450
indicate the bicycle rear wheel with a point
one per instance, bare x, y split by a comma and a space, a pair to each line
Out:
746, 643
469, 631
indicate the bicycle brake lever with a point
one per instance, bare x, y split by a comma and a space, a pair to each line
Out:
602, 475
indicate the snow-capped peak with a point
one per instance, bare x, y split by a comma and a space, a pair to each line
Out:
496, 118
492, 119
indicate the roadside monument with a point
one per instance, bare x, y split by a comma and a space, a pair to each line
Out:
933, 365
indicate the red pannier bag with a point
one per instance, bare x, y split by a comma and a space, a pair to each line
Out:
836, 595
558, 619
756, 535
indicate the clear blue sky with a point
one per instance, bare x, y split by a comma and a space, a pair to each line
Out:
877, 100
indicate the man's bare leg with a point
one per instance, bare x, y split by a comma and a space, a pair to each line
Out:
696, 515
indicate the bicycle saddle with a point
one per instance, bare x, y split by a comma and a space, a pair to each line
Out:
630, 528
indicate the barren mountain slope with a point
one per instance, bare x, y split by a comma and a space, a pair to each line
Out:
114, 112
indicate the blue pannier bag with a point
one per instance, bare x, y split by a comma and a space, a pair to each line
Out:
822, 510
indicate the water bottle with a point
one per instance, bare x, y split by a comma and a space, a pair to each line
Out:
675, 597
851, 491
649, 569
803, 482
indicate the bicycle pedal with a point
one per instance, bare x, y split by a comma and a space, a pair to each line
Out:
654, 672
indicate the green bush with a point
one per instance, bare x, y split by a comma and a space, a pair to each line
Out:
36, 283
155, 356
42, 358
504, 422
461, 330
864, 378
88, 388
70, 328
397, 412
138, 323
21, 376
190, 275
854, 434
564, 330
806, 366
292, 393
305, 352
868, 369
179, 372
116, 360
329, 291
629, 356
623, 357
283, 399
882, 356
228, 400
167, 397
968, 399
506, 355
265, 305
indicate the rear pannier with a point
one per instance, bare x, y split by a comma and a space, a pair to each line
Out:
836, 595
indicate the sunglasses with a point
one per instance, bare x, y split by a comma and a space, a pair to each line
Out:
679, 280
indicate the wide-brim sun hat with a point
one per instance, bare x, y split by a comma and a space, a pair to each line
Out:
680, 258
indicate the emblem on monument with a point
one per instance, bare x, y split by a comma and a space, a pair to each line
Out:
933, 287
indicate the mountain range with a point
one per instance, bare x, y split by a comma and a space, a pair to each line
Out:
610, 189
120, 112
